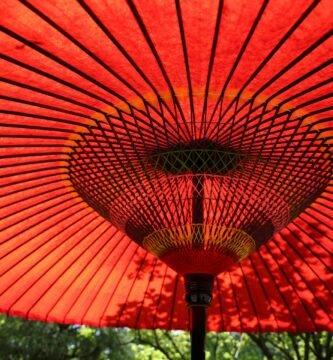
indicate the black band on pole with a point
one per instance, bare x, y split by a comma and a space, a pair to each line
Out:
198, 288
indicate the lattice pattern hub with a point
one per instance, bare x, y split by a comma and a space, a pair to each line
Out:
198, 158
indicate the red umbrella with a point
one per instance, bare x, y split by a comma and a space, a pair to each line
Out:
144, 142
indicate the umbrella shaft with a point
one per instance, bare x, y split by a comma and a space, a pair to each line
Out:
198, 199
198, 289
198, 332
198, 209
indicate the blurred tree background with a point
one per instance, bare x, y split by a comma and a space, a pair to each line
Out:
21, 339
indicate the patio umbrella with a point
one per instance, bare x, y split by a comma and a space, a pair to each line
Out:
148, 144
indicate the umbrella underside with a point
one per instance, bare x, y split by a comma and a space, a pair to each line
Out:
199, 131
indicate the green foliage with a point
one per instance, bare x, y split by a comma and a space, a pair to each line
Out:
21, 339
25, 340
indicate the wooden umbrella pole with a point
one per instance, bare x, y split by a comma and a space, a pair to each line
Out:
196, 284
199, 288
197, 316
198, 200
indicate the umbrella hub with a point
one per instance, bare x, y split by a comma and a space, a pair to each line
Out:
200, 248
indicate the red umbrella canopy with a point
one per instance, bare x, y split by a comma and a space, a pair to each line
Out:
146, 140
